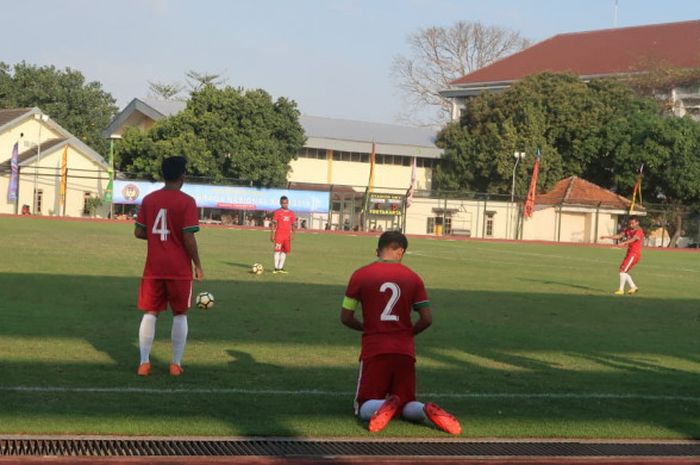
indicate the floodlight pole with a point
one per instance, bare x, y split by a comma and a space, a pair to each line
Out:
518, 156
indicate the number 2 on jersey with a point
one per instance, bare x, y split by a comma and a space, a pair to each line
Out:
160, 226
395, 294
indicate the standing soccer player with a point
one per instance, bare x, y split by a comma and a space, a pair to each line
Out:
388, 292
634, 237
282, 233
168, 220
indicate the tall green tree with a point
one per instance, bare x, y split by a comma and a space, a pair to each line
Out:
81, 107
224, 133
600, 131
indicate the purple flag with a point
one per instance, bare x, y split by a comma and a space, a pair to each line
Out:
12, 188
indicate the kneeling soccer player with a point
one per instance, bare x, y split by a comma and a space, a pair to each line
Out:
388, 291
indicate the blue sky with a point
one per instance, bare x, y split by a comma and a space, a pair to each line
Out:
332, 57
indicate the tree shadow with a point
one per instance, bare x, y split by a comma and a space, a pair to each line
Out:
272, 359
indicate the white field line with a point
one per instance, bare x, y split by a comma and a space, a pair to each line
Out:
317, 392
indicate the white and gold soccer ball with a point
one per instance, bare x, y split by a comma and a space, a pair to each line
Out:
257, 268
205, 300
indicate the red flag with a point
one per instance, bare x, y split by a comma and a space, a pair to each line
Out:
532, 190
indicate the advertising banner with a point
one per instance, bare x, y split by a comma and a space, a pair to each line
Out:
227, 197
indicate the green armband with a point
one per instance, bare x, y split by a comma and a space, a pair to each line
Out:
350, 304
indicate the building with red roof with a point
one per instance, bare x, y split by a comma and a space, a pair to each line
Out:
607, 53
576, 210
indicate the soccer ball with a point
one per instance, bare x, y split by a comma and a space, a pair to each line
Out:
257, 268
205, 300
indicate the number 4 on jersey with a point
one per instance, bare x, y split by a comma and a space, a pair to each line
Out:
160, 226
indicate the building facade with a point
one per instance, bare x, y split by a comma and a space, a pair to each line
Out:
57, 174
607, 53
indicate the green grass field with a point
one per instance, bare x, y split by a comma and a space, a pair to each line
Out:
527, 341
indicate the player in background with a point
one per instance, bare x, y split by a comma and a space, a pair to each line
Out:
634, 237
388, 293
167, 220
282, 233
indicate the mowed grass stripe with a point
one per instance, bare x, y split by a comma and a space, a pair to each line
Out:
346, 394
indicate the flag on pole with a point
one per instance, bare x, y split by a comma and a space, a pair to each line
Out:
107, 198
412, 187
12, 187
372, 161
637, 189
64, 174
532, 190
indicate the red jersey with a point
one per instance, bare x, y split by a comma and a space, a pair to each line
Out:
388, 291
166, 214
635, 248
284, 219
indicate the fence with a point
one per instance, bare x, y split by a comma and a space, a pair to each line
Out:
356, 208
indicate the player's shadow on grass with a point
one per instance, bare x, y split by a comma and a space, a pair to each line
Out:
561, 284
245, 266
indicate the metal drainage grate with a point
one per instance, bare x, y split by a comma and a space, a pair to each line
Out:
311, 448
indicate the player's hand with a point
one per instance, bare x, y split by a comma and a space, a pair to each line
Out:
198, 273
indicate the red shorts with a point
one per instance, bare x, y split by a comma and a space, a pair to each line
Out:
156, 294
629, 262
283, 244
386, 374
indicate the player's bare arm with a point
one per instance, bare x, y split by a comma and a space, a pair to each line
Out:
190, 243
273, 229
425, 319
628, 242
614, 236
347, 317
140, 232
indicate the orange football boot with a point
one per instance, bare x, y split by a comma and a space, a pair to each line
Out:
175, 369
144, 369
442, 419
384, 414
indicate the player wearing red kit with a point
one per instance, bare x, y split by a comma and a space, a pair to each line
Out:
633, 238
282, 233
167, 220
389, 292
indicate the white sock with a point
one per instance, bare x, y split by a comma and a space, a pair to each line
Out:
630, 282
147, 332
623, 279
277, 260
369, 407
283, 257
413, 411
179, 337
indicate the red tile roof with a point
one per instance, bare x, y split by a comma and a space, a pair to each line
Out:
603, 52
577, 191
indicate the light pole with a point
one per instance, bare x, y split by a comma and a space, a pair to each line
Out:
518, 156
42, 118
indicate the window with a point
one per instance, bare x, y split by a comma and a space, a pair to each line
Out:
346, 156
38, 198
355, 156
448, 226
364, 157
489, 223
86, 203
430, 226
406, 161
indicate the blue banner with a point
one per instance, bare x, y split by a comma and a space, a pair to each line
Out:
227, 197
14, 171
